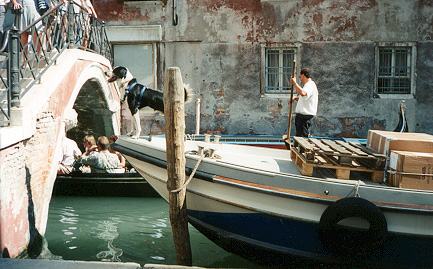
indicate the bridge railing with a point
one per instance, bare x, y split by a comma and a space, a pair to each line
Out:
30, 52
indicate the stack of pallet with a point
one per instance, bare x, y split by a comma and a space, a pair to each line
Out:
339, 156
410, 157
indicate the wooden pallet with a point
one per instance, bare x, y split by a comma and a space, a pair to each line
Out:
343, 157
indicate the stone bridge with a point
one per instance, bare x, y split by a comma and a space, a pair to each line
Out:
30, 146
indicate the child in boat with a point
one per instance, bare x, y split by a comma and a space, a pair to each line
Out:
89, 144
102, 161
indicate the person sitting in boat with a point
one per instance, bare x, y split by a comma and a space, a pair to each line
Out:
122, 159
89, 143
70, 152
102, 161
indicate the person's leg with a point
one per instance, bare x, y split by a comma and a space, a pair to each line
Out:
307, 124
24, 39
299, 124
37, 41
303, 123
86, 30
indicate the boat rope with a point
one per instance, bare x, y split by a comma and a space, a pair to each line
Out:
202, 153
392, 172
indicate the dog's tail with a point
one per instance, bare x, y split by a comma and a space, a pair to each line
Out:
189, 93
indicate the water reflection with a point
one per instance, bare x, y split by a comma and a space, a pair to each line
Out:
69, 217
107, 231
124, 229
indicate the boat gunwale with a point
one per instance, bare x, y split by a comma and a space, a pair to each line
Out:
410, 208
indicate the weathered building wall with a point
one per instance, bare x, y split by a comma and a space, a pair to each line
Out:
424, 93
217, 44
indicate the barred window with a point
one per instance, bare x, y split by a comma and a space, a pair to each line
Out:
278, 69
394, 70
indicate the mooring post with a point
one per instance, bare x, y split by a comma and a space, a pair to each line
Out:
289, 128
174, 133
197, 116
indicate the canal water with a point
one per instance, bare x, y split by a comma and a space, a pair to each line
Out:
125, 229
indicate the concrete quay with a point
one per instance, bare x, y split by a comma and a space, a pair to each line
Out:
62, 264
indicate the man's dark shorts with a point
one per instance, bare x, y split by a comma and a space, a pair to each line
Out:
302, 124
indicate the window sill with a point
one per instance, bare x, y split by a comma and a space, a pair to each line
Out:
276, 95
394, 96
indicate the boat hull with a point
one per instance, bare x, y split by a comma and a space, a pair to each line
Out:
281, 225
98, 184
254, 236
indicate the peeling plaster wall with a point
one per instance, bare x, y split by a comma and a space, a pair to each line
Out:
217, 45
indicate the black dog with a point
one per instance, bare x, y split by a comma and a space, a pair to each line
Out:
139, 96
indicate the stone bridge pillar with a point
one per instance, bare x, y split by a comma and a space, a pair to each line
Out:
29, 153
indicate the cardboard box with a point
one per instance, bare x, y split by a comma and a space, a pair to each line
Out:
384, 142
412, 170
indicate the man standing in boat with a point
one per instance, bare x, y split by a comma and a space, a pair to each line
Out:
308, 99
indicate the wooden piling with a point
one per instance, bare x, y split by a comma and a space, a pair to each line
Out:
174, 133
289, 128
197, 116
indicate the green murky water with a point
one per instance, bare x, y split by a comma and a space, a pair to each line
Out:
125, 229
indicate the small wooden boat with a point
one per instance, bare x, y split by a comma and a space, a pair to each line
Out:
103, 184
254, 201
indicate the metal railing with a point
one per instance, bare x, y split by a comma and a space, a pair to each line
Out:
30, 52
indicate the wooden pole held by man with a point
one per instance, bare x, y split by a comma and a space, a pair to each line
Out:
290, 106
174, 133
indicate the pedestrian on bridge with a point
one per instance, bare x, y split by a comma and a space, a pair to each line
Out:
29, 14
26, 10
84, 14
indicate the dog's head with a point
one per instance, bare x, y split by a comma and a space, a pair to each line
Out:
121, 76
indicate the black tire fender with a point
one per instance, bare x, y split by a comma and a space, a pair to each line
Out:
344, 240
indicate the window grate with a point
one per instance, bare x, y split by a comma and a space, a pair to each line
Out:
394, 70
278, 69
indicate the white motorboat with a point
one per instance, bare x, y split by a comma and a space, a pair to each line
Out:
254, 202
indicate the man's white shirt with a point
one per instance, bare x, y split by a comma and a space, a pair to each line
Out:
307, 105
70, 151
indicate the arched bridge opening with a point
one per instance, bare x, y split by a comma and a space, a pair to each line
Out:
95, 116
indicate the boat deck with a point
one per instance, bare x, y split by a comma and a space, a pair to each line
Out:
258, 158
